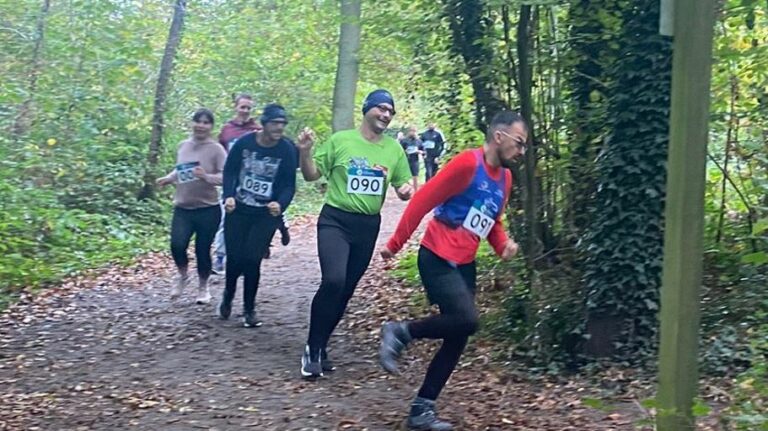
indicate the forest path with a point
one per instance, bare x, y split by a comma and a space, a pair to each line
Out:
112, 351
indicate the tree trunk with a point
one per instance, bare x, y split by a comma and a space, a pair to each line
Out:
347, 70
470, 30
166, 67
532, 186
24, 117
623, 246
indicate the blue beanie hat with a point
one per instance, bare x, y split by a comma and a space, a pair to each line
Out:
377, 97
273, 112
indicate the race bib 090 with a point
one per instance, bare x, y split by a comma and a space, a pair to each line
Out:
363, 181
479, 220
184, 172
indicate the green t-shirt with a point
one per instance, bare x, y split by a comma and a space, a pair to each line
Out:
359, 171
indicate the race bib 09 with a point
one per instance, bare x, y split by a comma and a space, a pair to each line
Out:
184, 172
363, 181
479, 221
260, 188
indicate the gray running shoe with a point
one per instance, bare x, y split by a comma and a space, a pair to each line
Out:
423, 417
394, 338
310, 364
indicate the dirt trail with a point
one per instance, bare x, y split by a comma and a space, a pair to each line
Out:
113, 352
122, 355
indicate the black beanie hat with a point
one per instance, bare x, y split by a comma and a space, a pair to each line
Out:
377, 97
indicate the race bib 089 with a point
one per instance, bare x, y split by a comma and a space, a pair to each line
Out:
479, 221
260, 188
363, 181
184, 172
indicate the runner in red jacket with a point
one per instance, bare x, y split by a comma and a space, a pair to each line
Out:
468, 196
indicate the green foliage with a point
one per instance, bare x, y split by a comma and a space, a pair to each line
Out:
749, 410
624, 244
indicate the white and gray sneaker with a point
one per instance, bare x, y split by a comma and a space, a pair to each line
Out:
203, 295
179, 283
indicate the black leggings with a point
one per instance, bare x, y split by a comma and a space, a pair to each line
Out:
345, 244
203, 223
247, 237
452, 288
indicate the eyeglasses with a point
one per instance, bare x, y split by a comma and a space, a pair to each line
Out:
386, 109
518, 141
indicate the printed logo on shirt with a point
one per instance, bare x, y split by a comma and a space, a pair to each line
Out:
484, 186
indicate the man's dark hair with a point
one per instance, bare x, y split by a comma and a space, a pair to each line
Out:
203, 112
505, 118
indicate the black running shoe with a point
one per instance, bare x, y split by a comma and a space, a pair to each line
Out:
310, 364
250, 320
225, 308
285, 235
394, 338
423, 417
327, 364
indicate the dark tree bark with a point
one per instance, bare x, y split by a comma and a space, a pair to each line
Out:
532, 185
166, 67
470, 28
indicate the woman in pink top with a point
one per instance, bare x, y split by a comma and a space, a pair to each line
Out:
199, 167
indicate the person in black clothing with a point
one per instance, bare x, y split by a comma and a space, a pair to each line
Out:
433, 144
412, 146
259, 184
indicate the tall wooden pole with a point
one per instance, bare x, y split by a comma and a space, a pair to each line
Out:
684, 218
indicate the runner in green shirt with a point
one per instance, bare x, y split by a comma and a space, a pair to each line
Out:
359, 165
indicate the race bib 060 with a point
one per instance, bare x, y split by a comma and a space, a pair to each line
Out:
258, 187
184, 172
363, 181
479, 220
429, 145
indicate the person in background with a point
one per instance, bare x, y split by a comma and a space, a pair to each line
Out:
413, 148
433, 144
259, 185
199, 166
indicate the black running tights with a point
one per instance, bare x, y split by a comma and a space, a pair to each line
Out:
247, 237
345, 245
201, 222
452, 288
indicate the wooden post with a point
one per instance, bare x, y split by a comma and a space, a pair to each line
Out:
684, 218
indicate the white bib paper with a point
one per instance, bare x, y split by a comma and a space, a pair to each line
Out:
365, 181
260, 188
184, 172
478, 222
